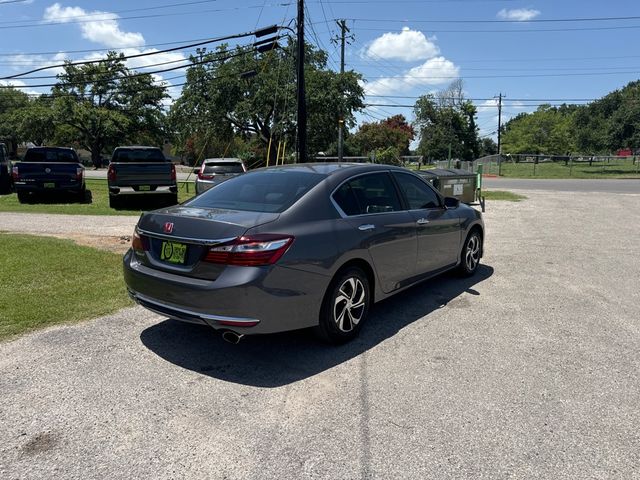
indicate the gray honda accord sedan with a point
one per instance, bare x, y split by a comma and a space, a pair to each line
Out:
307, 245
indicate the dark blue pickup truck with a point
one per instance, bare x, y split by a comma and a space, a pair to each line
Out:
48, 170
5, 171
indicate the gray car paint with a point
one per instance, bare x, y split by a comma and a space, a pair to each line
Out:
289, 295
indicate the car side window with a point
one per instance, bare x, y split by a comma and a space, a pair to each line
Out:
417, 193
372, 193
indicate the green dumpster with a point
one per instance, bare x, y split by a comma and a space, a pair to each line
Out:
452, 182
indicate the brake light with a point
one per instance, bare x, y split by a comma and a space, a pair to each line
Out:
111, 173
15, 174
250, 251
203, 176
173, 172
79, 172
139, 243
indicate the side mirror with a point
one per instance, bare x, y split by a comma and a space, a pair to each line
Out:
451, 202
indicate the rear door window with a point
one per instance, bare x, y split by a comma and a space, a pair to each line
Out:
261, 191
50, 155
222, 168
417, 193
372, 193
138, 155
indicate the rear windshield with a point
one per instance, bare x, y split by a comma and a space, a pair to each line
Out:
50, 155
138, 155
264, 191
222, 168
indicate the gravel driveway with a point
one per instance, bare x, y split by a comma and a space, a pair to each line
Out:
101, 231
528, 370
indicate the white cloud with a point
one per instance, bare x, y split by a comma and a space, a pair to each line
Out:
435, 71
99, 27
408, 45
518, 14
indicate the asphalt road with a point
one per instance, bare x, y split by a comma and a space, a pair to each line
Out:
528, 370
565, 185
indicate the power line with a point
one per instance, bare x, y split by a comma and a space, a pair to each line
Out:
139, 55
135, 17
535, 20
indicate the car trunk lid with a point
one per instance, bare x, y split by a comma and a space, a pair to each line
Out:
178, 238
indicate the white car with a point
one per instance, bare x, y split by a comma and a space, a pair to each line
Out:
217, 170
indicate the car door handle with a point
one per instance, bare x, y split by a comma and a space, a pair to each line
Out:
366, 227
422, 221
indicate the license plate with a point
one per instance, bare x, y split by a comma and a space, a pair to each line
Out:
144, 188
173, 252
49, 185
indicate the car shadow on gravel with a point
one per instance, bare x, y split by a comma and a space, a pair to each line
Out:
280, 359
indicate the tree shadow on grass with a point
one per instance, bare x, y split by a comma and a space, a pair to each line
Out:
280, 359
58, 198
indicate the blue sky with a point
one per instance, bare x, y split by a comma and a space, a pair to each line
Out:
404, 48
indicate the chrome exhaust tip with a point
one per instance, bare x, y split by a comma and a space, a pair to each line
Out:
232, 337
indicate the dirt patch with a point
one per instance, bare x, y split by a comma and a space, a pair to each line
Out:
42, 442
118, 244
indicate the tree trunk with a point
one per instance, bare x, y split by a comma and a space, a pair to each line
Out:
96, 157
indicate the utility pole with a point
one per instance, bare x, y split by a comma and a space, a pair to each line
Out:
500, 134
499, 123
343, 30
302, 107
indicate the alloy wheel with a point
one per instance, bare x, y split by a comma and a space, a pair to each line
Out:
349, 304
472, 254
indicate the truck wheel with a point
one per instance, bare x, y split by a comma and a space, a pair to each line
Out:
174, 199
5, 186
23, 197
114, 202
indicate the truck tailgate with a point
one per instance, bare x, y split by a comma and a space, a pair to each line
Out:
143, 173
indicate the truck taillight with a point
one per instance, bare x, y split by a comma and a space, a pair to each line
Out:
111, 173
251, 250
79, 172
15, 174
139, 243
173, 172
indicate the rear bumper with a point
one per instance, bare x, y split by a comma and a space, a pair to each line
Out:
131, 189
246, 300
39, 188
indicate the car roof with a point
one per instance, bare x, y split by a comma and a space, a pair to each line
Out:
136, 147
337, 167
49, 148
223, 160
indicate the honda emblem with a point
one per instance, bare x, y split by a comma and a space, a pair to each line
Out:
168, 227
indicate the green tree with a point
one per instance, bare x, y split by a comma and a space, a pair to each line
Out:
37, 122
446, 123
12, 103
218, 101
102, 105
388, 139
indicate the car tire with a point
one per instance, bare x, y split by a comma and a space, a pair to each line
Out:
345, 306
470, 255
23, 197
5, 184
114, 202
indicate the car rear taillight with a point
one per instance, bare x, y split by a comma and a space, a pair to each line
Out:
111, 173
173, 172
139, 243
79, 172
15, 174
205, 176
251, 250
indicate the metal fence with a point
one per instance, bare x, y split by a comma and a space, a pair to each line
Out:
557, 165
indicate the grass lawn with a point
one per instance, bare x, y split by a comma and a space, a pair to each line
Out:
502, 195
46, 281
616, 169
98, 206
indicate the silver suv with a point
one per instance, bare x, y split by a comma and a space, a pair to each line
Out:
217, 170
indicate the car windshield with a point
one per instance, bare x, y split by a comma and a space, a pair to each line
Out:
50, 155
262, 191
138, 155
223, 167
